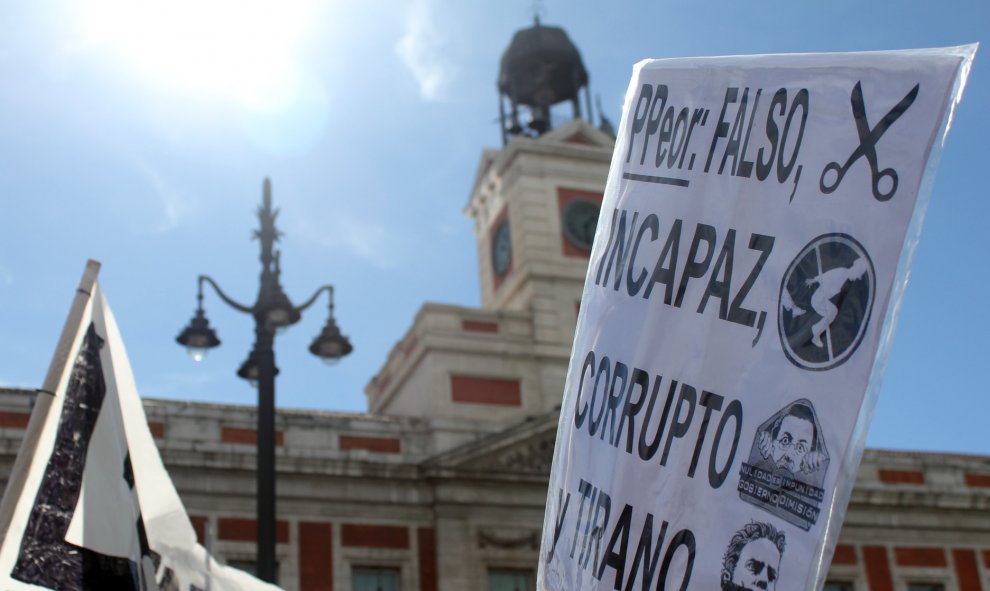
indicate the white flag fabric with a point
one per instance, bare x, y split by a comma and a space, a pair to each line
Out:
98, 509
754, 242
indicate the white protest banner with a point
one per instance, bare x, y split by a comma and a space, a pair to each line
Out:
90, 505
754, 243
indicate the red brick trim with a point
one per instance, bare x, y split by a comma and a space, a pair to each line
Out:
238, 529
247, 436
844, 554
986, 558
977, 480
901, 476
920, 557
384, 445
967, 571
374, 536
157, 429
478, 390
199, 525
427, 545
579, 138
877, 568
565, 196
14, 420
479, 326
315, 556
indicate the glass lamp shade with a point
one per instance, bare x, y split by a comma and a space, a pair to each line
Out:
330, 345
250, 370
281, 313
198, 337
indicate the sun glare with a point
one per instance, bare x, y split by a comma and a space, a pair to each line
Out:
240, 50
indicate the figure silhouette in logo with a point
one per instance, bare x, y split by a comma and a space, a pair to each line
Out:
830, 284
826, 298
787, 302
791, 443
752, 558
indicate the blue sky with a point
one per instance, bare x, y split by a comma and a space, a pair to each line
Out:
141, 139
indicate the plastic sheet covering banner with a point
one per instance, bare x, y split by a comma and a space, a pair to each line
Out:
98, 510
754, 243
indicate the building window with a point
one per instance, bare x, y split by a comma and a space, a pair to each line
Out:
248, 566
371, 578
510, 580
838, 586
926, 587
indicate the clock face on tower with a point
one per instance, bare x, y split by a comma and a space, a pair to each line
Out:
580, 218
501, 248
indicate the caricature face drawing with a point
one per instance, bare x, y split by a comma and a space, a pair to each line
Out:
791, 441
794, 438
787, 464
752, 558
759, 563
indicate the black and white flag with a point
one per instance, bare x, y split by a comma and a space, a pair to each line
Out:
96, 508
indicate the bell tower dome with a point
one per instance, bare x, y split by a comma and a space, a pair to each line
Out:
541, 68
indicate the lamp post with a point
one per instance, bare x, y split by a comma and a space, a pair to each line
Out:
272, 312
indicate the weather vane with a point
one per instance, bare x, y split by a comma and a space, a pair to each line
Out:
538, 10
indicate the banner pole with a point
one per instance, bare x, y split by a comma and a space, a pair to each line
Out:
45, 395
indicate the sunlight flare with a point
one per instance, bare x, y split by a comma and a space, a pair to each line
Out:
241, 50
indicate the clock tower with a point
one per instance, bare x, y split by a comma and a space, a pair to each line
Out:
535, 203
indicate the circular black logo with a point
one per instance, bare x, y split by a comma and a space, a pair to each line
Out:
826, 298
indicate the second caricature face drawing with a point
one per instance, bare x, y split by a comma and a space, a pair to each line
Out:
752, 558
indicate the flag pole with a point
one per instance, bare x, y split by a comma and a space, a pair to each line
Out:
43, 399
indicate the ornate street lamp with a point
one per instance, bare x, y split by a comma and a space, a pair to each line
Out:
272, 313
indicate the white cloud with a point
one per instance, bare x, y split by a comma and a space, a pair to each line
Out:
423, 50
361, 238
175, 206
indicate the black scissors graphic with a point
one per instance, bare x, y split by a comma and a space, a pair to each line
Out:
868, 139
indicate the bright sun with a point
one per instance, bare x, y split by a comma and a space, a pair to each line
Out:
241, 50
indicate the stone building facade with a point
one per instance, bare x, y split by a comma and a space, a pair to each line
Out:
372, 495
441, 485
